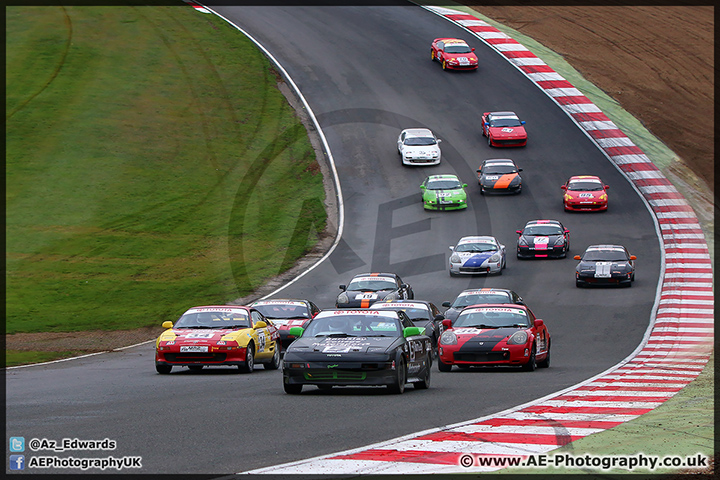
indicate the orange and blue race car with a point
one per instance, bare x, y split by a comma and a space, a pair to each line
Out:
494, 335
212, 335
453, 54
503, 129
499, 175
585, 193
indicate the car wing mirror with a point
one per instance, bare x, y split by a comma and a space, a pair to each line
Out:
167, 324
412, 331
439, 317
451, 247
296, 331
567, 231
564, 187
607, 186
464, 185
447, 323
633, 257
538, 322
519, 169
472, 49
260, 324
446, 304
343, 287
404, 285
422, 187
439, 140
522, 122
577, 257
519, 232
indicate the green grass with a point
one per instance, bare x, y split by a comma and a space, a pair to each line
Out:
16, 357
151, 165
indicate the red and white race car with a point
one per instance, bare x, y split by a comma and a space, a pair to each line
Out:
504, 129
585, 193
453, 54
287, 313
494, 335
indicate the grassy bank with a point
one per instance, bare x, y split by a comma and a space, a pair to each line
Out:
151, 165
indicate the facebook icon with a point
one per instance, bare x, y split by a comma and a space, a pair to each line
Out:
17, 462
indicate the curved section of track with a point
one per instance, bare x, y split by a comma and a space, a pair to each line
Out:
366, 75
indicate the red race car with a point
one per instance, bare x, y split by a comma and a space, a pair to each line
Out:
494, 335
585, 193
504, 129
453, 54
287, 313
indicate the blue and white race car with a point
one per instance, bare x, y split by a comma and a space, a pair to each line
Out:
481, 254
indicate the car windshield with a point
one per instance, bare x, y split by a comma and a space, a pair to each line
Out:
474, 299
498, 169
584, 186
445, 184
419, 141
374, 285
542, 230
605, 256
210, 319
415, 312
505, 122
492, 318
340, 325
457, 49
476, 247
283, 311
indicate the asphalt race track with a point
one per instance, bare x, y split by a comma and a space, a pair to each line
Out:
366, 73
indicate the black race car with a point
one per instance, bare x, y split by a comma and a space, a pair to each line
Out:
499, 175
605, 265
367, 288
358, 347
542, 239
423, 314
475, 296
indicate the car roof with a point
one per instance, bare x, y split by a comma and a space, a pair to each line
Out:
215, 308
503, 114
498, 161
380, 275
454, 41
585, 177
385, 303
496, 305
477, 238
605, 247
279, 301
357, 311
481, 291
443, 176
543, 222
418, 132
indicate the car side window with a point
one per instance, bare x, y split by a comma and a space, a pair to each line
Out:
440, 45
256, 317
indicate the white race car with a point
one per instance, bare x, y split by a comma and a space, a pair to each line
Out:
419, 146
473, 255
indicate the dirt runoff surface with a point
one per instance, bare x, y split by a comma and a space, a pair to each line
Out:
657, 62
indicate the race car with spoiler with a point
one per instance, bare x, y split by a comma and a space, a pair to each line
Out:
287, 313
473, 296
585, 193
453, 54
422, 313
419, 146
218, 335
477, 254
367, 288
499, 175
605, 265
494, 335
542, 239
443, 192
503, 129
358, 347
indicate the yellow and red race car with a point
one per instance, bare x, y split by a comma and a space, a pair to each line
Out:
585, 193
218, 335
499, 175
453, 54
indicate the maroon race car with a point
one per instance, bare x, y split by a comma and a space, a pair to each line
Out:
494, 335
453, 54
504, 129
287, 313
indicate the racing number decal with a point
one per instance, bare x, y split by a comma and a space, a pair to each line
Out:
261, 341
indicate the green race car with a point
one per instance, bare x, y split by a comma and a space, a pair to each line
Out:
443, 192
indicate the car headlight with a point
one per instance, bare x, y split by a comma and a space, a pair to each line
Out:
392, 296
448, 338
518, 338
434, 154
522, 241
560, 241
455, 258
342, 298
495, 258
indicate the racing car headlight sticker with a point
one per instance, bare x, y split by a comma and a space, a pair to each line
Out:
518, 338
560, 241
448, 338
522, 241
392, 296
495, 258
343, 298
455, 258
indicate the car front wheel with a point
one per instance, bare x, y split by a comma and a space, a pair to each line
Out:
398, 386
275, 362
163, 369
249, 364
